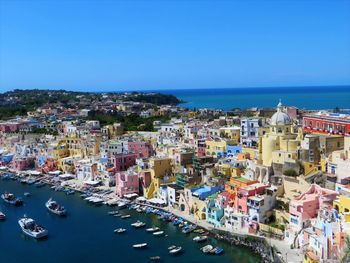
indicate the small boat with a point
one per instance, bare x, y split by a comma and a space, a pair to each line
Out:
39, 184
31, 228
117, 215
122, 205
141, 245
158, 233
26, 194
11, 199
113, 212
175, 250
152, 229
218, 250
206, 249
188, 229
125, 216
70, 192
200, 238
138, 224
2, 216
171, 247
155, 258
55, 208
119, 230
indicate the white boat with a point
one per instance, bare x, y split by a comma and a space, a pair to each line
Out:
175, 250
171, 247
152, 229
158, 233
55, 208
125, 216
206, 249
122, 205
119, 230
138, 224
141, 245
11, 199
2, 216
113, 212
32, 229
200, 238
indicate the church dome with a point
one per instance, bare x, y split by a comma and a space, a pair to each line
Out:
280, 117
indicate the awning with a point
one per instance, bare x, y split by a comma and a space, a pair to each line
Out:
54, 172
131, 195
93, 183
66, 176
156, 201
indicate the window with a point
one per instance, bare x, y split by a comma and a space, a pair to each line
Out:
311, 124
318, 125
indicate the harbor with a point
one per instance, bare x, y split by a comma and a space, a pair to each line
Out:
89, 228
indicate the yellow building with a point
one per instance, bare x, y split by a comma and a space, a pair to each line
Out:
161, 172
280, 144
217, 147
233, 133
343, 206
65, 149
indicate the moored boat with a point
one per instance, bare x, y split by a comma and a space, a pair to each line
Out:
11, 199
206, 249
200, 238
138, 224
119, 230
141, 245
31, 228
171, 247
2, 216
158, 233
125, 216
55, 208
152, 229
155, 258
175, 250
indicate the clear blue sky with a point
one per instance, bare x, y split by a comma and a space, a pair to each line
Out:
113, 45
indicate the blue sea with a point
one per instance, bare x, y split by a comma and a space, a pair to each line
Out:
86, 234
314, 98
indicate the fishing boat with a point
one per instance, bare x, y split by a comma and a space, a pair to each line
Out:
155, 258
11, 199
125, 216
200, 238
158, 233
206, 249
138, 224
2, 216
141, 245
171, 247
176, 250
55, 208
119, 230
152, 229
31, 228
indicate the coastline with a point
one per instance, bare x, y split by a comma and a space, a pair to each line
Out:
256, 243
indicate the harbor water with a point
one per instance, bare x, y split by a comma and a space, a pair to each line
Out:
86, 234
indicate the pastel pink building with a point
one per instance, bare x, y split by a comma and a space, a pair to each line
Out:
141, 149
307, 205
127, 183
24, 163
9, 126
121, 162
243, 193
201, 147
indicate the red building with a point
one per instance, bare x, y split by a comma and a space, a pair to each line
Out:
328, 123
141, 149
121, 162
